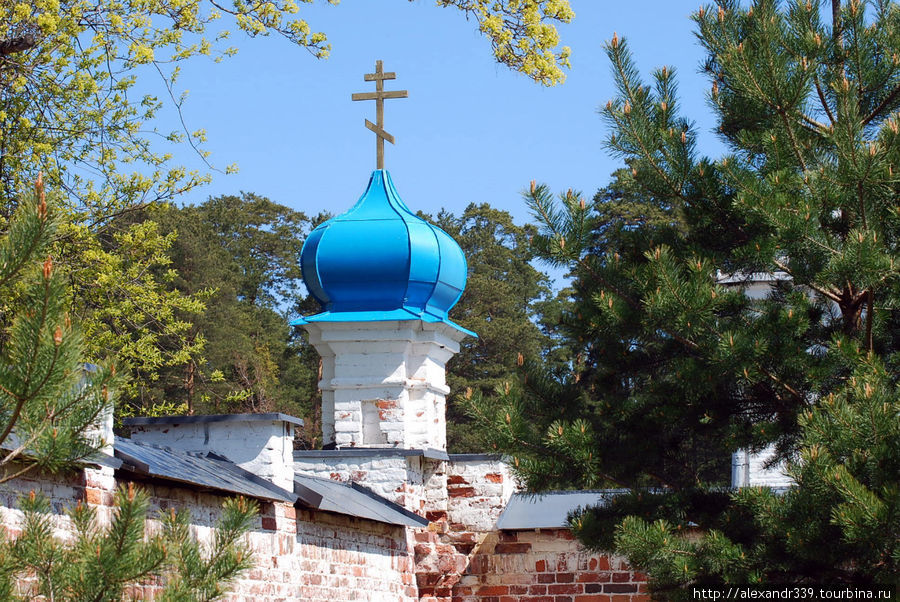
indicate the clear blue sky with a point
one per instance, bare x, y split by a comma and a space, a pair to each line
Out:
470, 131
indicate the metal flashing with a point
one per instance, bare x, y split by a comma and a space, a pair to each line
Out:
353, 500
205, 471
371, 452
475, 457
548, 510
271, 417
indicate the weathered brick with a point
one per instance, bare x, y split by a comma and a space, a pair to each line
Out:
493, 590
565, 588
619, 588
594, 577
269, 523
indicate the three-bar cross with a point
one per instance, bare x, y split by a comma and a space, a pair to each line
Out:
378, 96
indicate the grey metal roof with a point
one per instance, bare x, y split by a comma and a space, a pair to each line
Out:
352, 500
209, 471
139, 420
475, 457
101, 459
548, 510
200, 470
366, 452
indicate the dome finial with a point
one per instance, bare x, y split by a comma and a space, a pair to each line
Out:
378, 96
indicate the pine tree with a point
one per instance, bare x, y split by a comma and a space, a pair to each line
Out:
50, 406
503, 297
678, 369
112, 563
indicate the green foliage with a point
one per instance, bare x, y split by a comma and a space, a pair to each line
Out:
848, 477
196, 575
121, 293
504, 293
241, 255
49, 402
81, 76
103, 563
522, 34
51, 405
680, 358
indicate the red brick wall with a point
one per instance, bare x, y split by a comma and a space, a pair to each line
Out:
461, 559
546, 566
538, 566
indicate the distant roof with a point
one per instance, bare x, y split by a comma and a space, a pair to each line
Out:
353, 500
204, 470
139, 420
747, 278
548, 510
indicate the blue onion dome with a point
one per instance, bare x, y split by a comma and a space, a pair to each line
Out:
379, 261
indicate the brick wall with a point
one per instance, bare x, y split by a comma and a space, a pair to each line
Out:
461, 558
545, 566
300, 555
478, 488
311, 555
395, 477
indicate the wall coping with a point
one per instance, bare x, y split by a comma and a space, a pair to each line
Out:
370, 452
271, 417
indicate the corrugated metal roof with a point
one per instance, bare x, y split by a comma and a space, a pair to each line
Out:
548, 510
353, 500
200, 470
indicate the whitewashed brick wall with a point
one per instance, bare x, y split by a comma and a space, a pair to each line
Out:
383, 383
752, 470
264, 447
398, 478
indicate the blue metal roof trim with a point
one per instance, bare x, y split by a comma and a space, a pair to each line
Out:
200, 470
549, 510
353, 500
401, 315
379, 261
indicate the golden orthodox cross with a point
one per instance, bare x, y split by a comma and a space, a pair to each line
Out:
378, 96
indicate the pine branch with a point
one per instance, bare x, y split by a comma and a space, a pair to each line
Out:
823, 101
